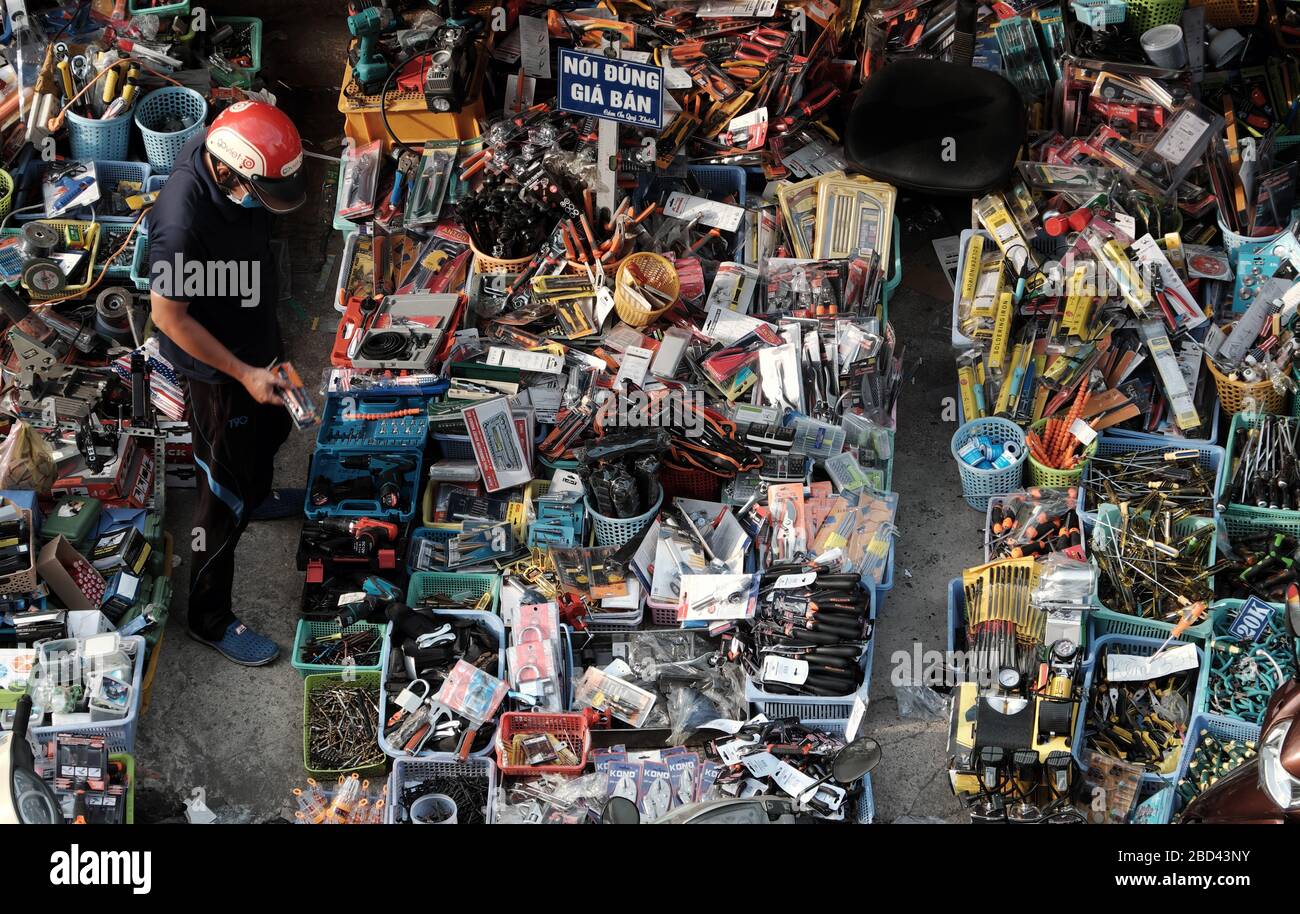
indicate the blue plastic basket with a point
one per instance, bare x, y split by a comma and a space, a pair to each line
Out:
1210, 458
92, 140
886, 581
489, 621
820, 708
1143, 647
619, 531
162, 147
716, 182
454, 447
978, 485
1219, 727
1222, 612
864, 810
440, 765
108, 174
119, 735
449, 583
1211, 436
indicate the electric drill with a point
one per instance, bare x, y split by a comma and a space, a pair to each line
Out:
369, 65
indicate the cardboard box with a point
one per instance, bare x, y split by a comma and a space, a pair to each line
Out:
72, 578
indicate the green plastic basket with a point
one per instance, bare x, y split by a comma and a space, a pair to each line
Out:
1284, 520
167, 9
254, 41
451, 584
308, 630
1050, 477
129, 762
1104, 621
1147, 14
321, 681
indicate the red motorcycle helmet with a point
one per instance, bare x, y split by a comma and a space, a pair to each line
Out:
259, 143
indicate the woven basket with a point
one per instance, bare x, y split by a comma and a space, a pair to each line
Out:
648, 269
1233, 395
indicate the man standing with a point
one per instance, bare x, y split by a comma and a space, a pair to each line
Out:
213, 292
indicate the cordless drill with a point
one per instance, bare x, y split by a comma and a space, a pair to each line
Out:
366, 24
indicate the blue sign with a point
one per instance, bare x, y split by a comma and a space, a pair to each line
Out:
1252, 620
611, 89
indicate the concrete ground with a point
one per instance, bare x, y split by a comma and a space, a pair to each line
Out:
235, 733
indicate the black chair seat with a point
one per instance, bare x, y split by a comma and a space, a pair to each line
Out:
937, 127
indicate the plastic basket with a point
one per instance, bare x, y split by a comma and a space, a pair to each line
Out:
483, 263
619, 531
119, 735
1052, 478
1227, 13
254, 40
1222, 728
1147, 14
997, 501
92, 140
1221, 612
488, 620
6, 192
425, 584
1210, 458
91, 234
308, 630
688, 482
128, 760
816, 707
319, 682
1098, 14
1104, 621
978, 485
863, 810
1141, 647
1283, 519
140, 262
454, 447
160, 146
108, 174
716, 182
570, 728
1233, 395
443, 766
653, 270
895, 278
142, 8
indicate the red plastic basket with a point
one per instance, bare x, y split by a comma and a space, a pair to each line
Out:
688, 482
571, 728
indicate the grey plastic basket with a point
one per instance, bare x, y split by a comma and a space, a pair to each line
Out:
161, 146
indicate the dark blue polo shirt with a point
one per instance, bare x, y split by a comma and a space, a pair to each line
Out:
215, 255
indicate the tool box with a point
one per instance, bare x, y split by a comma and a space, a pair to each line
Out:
351, 482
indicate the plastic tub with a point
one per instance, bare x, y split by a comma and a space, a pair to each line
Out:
570, 728
319, 682
308, 630
1210, 458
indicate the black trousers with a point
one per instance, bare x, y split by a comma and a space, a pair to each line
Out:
235, 440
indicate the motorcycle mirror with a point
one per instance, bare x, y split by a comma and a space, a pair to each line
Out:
620, 811
858, 758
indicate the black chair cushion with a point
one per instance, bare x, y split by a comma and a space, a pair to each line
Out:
937, 127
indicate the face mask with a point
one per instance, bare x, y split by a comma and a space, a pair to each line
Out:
250, 202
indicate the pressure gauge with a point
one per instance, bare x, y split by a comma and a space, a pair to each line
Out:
44, 276
1009, 678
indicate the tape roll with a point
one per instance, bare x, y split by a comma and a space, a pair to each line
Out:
1011, 450
39, 241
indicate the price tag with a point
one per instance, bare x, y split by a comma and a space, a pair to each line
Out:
785, 670
789, 581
